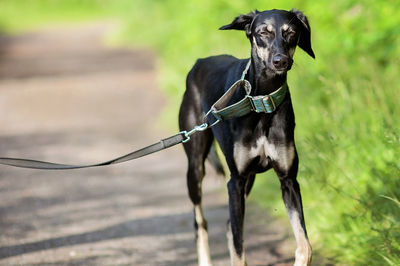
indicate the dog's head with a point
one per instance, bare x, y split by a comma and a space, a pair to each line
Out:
274, 35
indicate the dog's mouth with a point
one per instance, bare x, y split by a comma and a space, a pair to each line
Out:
271, 70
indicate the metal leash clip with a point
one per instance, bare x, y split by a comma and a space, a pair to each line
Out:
202, 127
187, 134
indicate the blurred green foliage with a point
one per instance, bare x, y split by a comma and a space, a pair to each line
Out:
22, 15
346, 102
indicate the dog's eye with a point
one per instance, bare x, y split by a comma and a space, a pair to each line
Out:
266, 33
289, 34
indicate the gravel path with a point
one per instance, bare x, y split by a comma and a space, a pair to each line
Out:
65, 97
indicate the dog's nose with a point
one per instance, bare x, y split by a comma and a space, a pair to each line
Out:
280, 61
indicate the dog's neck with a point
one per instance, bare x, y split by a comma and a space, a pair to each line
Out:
264, 83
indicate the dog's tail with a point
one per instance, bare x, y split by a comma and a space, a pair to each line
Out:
213, 158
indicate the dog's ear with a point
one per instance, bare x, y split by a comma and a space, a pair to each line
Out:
241, 22
305, 35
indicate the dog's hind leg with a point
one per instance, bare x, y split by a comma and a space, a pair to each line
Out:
197, 150
236, 189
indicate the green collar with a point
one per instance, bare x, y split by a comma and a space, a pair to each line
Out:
259, 104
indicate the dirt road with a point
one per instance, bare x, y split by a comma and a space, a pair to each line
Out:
66, 97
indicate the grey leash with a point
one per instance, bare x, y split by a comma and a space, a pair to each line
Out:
33, 164
181, 137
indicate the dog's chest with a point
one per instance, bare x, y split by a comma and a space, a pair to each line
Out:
245, 153
261, 151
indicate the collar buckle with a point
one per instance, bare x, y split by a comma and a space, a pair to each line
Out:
265, 103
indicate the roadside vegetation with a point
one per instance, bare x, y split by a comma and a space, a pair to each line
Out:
346, 102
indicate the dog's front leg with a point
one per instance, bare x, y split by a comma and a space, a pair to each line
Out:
286, 167
236, 191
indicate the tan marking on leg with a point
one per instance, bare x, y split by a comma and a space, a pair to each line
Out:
241, 156
303, 251
235, 259
203, 250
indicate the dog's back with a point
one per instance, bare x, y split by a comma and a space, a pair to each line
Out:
210, 77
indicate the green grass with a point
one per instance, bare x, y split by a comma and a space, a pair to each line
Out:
21, 15
346, 103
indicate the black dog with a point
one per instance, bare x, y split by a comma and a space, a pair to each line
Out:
257, 141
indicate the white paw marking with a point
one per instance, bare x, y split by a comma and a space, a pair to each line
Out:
235, 259
303, 251
203, 250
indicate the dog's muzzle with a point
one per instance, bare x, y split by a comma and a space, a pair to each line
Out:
282, 63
